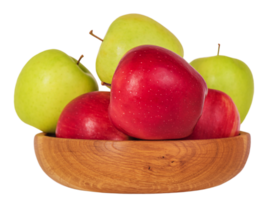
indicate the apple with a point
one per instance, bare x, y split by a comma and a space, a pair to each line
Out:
156, 94
219, 119
229, 75
129, 31
46, 84
86, 117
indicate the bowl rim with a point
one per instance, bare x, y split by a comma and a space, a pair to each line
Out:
53, 136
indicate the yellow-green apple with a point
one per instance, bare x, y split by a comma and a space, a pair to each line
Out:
219, 119
229, 75
127, 32
49, 81
156, 94
86, 117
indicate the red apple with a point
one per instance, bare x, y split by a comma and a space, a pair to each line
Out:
156, 94
220, 117
86, 117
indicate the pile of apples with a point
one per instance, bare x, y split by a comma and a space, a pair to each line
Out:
154, 93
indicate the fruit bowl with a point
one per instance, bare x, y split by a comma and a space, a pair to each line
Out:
138, 166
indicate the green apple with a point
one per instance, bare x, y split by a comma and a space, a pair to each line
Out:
127, 32
229, 75
46, 84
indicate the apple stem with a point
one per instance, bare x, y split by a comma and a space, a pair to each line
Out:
218, 47
106, 84
81, 56
94, 35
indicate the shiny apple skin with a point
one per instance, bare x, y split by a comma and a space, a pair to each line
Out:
220, 117
86, 117
156, 94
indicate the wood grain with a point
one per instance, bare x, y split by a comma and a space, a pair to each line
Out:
141, 166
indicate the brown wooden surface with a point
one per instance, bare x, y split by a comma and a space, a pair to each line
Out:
141, 166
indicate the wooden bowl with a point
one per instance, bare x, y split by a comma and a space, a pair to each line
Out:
138, 166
